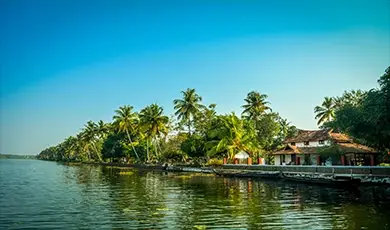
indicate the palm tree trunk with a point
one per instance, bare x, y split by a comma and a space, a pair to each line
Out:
147, 150
189, 128
131, 142
97, 152
155, 148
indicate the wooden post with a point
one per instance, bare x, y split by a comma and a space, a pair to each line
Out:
342, 160
235, 161
260, 161
372, 160
225, 161
249, 161
318, 160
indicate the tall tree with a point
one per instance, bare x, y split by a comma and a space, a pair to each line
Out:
353, 97
126, 121
89, 135
255, 105
325, 112
187, 107
154, 124
368, 122
234, 135
102, 129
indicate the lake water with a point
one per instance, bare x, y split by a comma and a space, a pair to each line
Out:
47, 195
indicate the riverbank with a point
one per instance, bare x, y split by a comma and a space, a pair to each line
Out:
332, 175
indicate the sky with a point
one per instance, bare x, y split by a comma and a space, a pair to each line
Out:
63, 63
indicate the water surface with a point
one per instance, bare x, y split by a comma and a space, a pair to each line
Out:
47, 195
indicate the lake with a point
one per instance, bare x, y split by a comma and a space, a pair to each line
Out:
47, 195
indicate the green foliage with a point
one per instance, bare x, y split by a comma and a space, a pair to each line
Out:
332, 150
194, 146
171, 149
367, 119
188, 107
325, 112
214, 162
143, 136
255, 105
234, 134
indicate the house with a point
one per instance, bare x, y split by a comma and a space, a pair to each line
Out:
323, 147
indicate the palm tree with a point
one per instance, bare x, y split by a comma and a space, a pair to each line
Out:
102, 129
126, 120
353, 97
70, 147
284, 126
256, 105
154, 124
89, 135
187, 107
234, 135
326, 111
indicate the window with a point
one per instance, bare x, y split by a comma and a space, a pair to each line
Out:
292, 143
306, 143
321, 142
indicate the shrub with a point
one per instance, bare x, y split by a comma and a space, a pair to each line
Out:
214, 162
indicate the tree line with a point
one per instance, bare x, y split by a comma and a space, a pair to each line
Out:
196, 133
200, 133
363, 115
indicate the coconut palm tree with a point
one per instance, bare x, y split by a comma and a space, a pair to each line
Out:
187, 107
154, 124
234, 135
70, 147
284, 126
326, 111
255, 105
126, 121
102, 129
89, 135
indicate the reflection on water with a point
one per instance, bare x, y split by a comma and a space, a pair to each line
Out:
49, 195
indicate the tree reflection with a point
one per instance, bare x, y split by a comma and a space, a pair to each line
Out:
130, 198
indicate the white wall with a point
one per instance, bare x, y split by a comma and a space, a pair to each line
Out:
287, 159
277, 159
312, 144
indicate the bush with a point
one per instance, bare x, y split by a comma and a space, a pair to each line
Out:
214, 162
384, 164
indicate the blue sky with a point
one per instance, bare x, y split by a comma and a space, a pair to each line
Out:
63, 63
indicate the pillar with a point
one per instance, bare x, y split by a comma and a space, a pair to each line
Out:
318, 160
249, 160
260, 161
235, 161
372, 160
298, 161
342, 160
225, 161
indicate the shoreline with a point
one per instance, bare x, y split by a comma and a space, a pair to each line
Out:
327, 175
